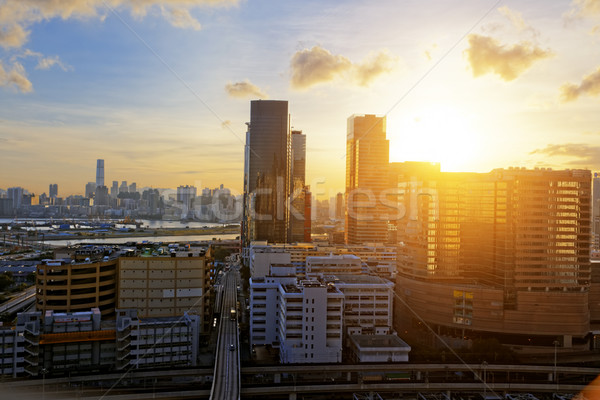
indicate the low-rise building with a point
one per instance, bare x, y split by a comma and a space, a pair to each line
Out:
378, 348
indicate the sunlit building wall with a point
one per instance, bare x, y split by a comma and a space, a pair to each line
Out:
501, 253
367, 162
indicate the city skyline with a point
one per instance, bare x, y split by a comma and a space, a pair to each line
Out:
472, 85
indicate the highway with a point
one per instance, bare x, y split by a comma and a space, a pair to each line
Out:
19, 303
226, 381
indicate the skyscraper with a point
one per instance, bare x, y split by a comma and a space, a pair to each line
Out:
596, 210
297, 199
90, 189
99, 173
367, 163
267, 172
114, 190
53, 190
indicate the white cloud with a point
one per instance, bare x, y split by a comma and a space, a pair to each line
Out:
310, 67
486, 55
244, 90
16, 78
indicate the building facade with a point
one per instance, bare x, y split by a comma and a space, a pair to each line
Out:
367, 162
503, 254
267, 172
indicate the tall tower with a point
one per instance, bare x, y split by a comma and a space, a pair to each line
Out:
267, 172
297, 199
99, 173
596, 210
367, 163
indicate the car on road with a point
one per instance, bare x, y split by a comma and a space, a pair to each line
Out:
231, 347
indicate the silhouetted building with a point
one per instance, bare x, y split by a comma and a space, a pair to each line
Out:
99, 173
114, 190
267, 172
367, 162
53, 190
124, 188
298, 194
90, 189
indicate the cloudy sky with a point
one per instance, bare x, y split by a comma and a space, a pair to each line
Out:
160, 89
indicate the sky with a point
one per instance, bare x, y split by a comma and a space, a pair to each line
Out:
161, 89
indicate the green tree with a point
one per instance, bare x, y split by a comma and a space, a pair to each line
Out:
6, 281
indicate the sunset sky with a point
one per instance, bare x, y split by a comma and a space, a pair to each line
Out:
161, 89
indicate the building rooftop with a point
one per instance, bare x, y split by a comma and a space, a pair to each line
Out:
378, 341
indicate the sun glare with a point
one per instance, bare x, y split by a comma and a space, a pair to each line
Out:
437, 134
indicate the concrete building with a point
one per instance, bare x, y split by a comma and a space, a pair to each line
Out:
503, 254
53, 343
62, 286
301, 318
165, 286
333, 265
367, 163
378, 349
156, 342
16, 194
267, 172
90, 189
260, 254
368, 303
114, 190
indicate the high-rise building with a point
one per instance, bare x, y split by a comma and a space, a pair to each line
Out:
99, 173
133, 188
53, 190
502, 254
367, 163
123, 188
101, 197
16, 195
596, 210
297, 199
90, 189
339, 206
114, 190
267, 172
185, 196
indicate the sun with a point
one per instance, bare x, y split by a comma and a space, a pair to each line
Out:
437, 134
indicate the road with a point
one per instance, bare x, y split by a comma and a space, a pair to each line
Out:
20, 302
226, 382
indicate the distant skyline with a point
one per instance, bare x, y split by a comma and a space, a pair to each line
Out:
161, 89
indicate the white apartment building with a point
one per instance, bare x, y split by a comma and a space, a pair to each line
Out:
301, 318
368, 302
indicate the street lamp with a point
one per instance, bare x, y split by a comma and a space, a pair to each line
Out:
484, 366
555, 374
44, 371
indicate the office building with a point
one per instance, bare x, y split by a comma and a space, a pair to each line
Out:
297, 194
99, 173
267, 171
339, 206
123, 188
90, 189
133, 187
367, 162
53, 190
185, 197
16, 194
101, 197
502, 254
114, 189
596, 210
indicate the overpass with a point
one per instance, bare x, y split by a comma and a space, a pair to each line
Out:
226, 377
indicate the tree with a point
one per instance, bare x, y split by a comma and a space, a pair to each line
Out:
6, 281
